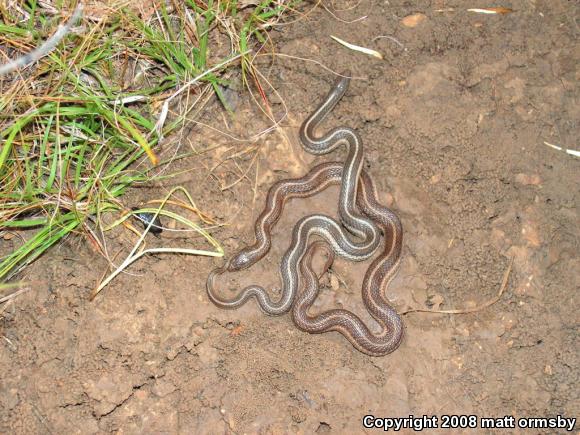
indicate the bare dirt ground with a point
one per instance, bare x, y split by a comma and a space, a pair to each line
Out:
454, 122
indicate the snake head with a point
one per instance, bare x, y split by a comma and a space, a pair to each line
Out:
240, 261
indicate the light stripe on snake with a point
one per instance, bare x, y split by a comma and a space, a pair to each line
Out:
357, 190
377, 277
350, 217
320, 225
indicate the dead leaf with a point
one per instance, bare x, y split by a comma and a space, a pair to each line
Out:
413, 20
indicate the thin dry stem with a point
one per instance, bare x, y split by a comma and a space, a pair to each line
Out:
474, 309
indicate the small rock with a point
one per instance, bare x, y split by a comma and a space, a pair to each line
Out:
463, 331
8, 236
413, 20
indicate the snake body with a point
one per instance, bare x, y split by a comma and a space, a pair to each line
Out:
349, 216
378, 276
316, 224
357, 189
318, 179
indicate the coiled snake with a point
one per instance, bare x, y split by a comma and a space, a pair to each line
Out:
357, 190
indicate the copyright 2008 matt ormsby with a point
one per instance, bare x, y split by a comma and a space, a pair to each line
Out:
419, 423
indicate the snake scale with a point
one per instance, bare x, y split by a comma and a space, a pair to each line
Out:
362, 216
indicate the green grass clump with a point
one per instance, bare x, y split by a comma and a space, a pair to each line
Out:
77, 127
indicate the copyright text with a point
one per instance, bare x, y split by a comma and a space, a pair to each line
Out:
420, 423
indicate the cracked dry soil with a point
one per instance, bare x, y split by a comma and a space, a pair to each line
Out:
453, 124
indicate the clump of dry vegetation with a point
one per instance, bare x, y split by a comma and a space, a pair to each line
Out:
81, 125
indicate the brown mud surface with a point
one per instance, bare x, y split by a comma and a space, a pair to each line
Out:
454, 122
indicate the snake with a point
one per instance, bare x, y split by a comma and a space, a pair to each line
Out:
316, 224
349, 216
377, 277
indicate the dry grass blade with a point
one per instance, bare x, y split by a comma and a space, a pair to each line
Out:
566, 150
354, 47
21, 289
138, 251
193, 208
391, 38
79, 129
491, 11
316, 62
336, 17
